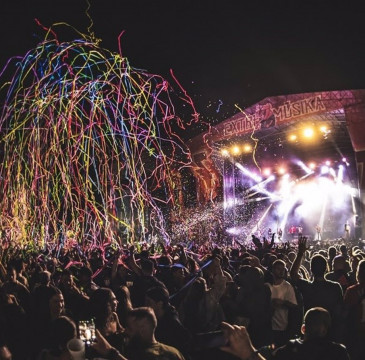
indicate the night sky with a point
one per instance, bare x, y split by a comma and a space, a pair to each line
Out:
223, 52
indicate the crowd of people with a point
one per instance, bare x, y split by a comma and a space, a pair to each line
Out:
188, 301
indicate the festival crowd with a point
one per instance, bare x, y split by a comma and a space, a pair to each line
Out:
188, 301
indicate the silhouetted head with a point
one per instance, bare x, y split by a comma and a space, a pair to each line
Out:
318, 265
317, 322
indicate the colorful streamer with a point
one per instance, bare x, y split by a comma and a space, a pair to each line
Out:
87, 144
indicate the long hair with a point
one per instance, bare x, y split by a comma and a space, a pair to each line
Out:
191, 311
124, 303
100, 307
62, 330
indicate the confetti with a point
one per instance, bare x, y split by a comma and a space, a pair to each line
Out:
88, 146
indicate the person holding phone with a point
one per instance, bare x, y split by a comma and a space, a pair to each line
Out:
103, 306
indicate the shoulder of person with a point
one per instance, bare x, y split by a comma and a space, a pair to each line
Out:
286, 285
288, 350
337, 351
333, 284
163, 349
21, 286
301, 283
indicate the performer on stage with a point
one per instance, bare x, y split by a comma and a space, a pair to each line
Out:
292, 231
300, 231
318, 236
269, 233
347, 231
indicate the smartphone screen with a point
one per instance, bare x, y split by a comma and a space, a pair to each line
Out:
209, 340
87, 331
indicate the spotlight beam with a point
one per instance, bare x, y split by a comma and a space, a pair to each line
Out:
284, 220
323, 211
248, 172
245, 200
302, 178
304, 167
269, 194
258, 179
340, 174
257, 226
262, 183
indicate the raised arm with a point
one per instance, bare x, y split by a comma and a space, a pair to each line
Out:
302, 247
115, 265
272, 240
239, 343
183, 257
131, 261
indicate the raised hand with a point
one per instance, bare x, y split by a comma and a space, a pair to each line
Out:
302, 245
238, 341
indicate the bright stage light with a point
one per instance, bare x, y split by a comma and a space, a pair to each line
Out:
323, 129
345, 161
247, 148
281, 170
225, 152
324, 169
312, 165
266, 172
328, 163
312, 198
235, 150
308, 132
292, 137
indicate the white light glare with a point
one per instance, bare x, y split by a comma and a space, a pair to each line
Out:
345, 161
332, 172
234, 231
228, 203
304, 167
340, 173
249, 173
259, 188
